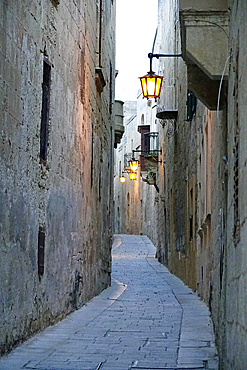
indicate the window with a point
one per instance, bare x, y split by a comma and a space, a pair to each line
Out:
41, 252
120, 169
110, 91
191, 105
191, 215
142, 119
92, 161
46, 87
191, 227
236, 151
143, 130
99, 30
55, 3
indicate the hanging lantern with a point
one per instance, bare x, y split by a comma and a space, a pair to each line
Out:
133, 165
151, 85
132, 175
122, 179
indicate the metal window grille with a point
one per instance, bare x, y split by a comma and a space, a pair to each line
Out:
151, 144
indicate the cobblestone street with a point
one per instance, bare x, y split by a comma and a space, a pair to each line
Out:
147, 320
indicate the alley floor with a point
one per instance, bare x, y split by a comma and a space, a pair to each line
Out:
148, 319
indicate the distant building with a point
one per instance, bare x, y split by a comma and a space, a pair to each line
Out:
132, 215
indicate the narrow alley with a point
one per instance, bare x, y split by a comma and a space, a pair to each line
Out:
148, 319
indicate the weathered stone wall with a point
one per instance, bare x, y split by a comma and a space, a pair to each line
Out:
62, 202
198, 217
134, 201
212, 196
199, 5
192, 180
177, 169
146, 115
215, 228
211, 158
236, 282
126, 195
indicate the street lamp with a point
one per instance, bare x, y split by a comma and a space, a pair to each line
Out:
132, 175
133, 165
122, 179
151, 83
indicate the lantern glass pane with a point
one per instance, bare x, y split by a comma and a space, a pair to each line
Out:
158, 85
144, 86
150, 86
132, 175
133, 165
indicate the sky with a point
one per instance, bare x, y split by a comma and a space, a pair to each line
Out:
135, 31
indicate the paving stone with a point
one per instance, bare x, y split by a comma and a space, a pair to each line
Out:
147, 319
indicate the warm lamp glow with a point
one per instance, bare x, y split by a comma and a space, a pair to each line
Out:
132, 175
122, 179
133, 165
151, 85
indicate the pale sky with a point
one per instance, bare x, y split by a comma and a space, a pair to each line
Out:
136, 26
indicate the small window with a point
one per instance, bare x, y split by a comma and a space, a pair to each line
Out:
236, 153
120, 169
41, 252
100, 31
55, 3
46, 87
191, 227
110, 91
142, 119
191, 105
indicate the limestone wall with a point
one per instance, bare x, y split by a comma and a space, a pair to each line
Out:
236, 282
192, 180
197, 220
126, 195
134, 201
56, 191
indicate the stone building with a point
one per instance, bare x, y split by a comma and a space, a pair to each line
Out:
235, 251
204, 167
131, 198
199, 201
126, 195
57, 82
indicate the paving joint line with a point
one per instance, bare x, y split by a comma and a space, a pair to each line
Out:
167, 368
